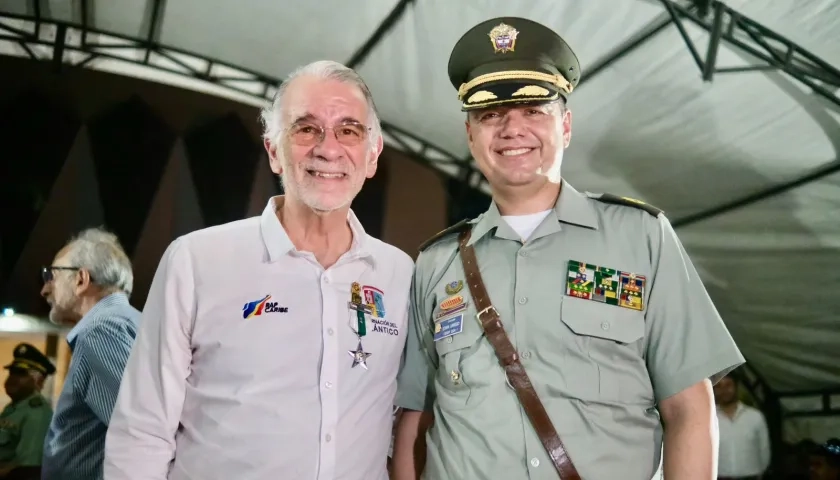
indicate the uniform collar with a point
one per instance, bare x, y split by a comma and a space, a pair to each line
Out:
278, 244
26, 400
571, 207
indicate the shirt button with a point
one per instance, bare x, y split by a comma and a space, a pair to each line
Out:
456, 377
328, 385
526, 355
524, 254
523, 300
328, 437
535, 462
605, 325
448, 339
330, 331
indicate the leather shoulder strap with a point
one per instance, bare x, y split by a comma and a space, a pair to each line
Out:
458, 227
490, 321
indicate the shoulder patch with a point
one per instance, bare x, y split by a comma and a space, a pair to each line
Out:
36, 402
457, 228
626, 201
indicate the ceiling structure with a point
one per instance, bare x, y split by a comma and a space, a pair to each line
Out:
726, 116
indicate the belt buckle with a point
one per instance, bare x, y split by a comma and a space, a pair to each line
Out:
483, 311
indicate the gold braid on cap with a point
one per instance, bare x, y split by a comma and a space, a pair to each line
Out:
557, 80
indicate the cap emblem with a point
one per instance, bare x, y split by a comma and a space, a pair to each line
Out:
503, 38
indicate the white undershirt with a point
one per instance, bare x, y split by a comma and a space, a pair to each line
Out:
744, 443
524, 225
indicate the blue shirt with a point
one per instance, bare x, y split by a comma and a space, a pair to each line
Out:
101, 342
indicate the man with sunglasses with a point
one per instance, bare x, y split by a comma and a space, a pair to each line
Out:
270, 346
87, 287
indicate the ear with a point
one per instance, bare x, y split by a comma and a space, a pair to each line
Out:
567, 128
273, 161
373, 159
83, 281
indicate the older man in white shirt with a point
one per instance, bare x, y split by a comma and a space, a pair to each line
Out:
744, 451
269, 347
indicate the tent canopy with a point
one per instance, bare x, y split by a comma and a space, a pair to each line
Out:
646, 125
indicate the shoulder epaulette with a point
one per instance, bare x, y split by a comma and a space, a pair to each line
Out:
36, 402
457, 228
626, 201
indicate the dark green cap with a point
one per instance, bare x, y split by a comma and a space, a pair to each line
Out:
509, 60
27, 357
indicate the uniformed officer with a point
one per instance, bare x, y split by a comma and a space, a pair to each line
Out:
559, 333
24, 422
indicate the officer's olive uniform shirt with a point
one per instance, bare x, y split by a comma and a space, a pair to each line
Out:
242, 366
599, 369
23, 426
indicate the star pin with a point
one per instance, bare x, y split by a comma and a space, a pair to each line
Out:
359, 356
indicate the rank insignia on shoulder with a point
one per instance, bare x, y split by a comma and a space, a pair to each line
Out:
626, 201
457, 228
605, 285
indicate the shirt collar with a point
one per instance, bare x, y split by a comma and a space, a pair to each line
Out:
113, 299
571, 207
278, 244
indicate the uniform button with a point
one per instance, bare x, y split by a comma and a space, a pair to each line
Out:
523, 300
328, 437
524, 254
526, 355
328, 385
448, 339
330, 331
535, 462
605, 325
456, 377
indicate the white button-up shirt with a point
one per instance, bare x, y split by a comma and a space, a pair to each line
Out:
744, 449
244, 366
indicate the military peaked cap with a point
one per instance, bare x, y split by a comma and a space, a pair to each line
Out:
510, 60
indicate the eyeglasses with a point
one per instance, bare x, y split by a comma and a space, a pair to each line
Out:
308, 134
47, 272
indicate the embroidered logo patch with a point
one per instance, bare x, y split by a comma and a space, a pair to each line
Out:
605, 285
258, 307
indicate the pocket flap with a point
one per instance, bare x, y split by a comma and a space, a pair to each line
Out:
595, 319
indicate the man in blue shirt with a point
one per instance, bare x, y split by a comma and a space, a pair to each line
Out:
87, 286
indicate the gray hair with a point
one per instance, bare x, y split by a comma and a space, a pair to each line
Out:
100, 253
272, 116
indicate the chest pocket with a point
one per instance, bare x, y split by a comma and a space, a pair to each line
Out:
604, 352
463, 366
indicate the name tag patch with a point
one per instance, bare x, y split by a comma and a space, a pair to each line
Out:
605, 285
448, 327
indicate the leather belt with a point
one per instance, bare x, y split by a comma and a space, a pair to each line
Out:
490, 321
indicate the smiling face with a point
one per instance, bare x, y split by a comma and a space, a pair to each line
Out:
520, 146
324, 153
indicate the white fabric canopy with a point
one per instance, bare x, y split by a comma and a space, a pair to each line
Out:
646, 127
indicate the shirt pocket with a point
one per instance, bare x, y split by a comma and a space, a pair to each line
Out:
604, 352
462, 367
